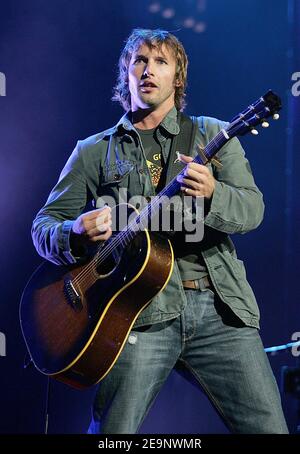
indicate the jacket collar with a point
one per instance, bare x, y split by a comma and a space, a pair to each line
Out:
169, 123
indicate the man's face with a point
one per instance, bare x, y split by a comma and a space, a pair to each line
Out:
151, 76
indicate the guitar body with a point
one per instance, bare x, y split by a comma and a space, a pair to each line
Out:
79, 343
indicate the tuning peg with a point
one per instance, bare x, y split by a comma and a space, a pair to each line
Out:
275, 116
265, 124
254, 132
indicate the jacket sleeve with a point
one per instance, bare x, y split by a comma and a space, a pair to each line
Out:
237, 204
52, 225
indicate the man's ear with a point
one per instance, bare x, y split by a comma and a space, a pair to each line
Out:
178, 83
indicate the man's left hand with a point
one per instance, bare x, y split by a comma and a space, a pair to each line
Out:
197, 180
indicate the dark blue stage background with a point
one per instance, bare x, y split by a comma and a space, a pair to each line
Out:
59, 60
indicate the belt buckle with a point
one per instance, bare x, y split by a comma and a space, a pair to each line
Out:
191, 284
201, 284
197, 284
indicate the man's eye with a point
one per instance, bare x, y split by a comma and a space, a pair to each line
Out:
137, 60
162, 61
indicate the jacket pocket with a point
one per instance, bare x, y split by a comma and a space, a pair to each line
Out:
116, 174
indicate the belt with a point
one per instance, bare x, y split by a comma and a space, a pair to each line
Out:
197, 284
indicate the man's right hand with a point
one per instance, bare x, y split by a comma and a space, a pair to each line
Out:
94, 225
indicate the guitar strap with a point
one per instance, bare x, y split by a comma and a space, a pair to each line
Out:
182, 142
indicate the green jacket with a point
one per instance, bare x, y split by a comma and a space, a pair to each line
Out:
106, 162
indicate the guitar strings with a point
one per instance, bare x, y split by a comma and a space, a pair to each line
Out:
133, 228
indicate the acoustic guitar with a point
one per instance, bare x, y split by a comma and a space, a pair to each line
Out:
76, 319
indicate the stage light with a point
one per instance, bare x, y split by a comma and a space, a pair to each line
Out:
199, 27
154, 7
168, 13
186, 13
189, 22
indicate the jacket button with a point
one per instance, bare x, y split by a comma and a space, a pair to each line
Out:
117, 176
148, 199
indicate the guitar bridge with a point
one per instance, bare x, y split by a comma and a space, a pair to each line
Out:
73, 297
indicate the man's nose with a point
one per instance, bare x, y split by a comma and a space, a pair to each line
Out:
148, 70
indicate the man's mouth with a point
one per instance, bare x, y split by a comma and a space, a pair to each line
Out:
147, 85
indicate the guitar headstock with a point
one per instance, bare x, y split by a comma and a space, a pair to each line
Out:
266, 106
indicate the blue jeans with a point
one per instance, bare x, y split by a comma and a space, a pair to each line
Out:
225, 356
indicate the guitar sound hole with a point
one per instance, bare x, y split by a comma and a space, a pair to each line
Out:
107, 266
111, 260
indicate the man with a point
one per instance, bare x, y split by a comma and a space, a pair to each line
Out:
206, 318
